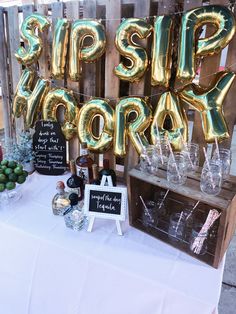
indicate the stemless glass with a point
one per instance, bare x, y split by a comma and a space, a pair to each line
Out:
225, 159
177, 169
191, 150
211, 178
176, 231
149, 213
162, 150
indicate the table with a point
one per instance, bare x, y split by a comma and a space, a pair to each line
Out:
46, 268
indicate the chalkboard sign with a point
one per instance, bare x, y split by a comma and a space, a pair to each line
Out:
105, 201
49, 145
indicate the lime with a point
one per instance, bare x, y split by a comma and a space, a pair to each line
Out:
12, 177
19, 166
4, 167
25, 173
3, 178
10, 185
12, 164
18, 170
4, 162
2, 187
1, 170
8, 171
21, 179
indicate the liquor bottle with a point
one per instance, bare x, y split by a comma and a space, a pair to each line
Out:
106, 171
74, 216
84, 164
75, 183
95, 179
61, 200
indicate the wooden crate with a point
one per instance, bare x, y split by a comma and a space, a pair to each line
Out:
178, 198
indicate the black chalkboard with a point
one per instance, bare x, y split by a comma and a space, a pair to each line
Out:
105, 202
49, 145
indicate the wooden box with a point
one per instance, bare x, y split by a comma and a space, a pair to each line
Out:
178, 198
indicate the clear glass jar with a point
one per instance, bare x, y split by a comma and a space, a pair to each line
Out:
191, 150
177, 169
149, 213
201, 249
176, 230
163, 150
224, 158
211, 178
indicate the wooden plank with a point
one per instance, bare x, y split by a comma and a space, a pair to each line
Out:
7, 122
209, 66
13, 45
90, 69
112, 82
44, 58
229, 111
189, 189
57, 13
72, 13
141, 8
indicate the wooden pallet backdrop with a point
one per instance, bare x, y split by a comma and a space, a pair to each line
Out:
98, 79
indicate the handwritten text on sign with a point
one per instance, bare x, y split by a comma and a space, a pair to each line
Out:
50, 148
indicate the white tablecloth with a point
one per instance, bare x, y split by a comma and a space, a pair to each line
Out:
46, 268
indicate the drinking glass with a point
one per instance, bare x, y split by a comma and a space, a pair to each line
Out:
191, 150
211, 178
162, 150
149, 159
176, 231
149, 213
177, 169
224, 158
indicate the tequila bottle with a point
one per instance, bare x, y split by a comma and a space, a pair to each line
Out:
84, 164
61, 200
75, 183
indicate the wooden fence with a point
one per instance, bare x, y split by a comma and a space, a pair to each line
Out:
98, 79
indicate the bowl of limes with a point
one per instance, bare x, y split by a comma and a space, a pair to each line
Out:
12, 175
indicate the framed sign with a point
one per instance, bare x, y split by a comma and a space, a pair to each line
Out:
49, 145
105, 202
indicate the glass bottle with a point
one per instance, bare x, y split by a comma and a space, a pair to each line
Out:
75, 183
61, 200
84, 164
74, 216
106, 171
95, 179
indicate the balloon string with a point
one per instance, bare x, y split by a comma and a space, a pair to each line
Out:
148, 96
229, 5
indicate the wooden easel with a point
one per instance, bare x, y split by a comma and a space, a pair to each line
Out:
106, 181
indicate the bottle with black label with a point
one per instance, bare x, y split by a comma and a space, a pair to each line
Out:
95, 179
75, 183
84, 164
106, 171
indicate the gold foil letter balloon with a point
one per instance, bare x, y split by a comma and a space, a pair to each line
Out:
161, 51
29, 25
55, 98
60, 47
169, 104
28, 100
93, 108
82, 29
209, 103
190, 47
133, 52
139, 125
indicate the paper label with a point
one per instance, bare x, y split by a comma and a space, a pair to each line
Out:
83, 173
